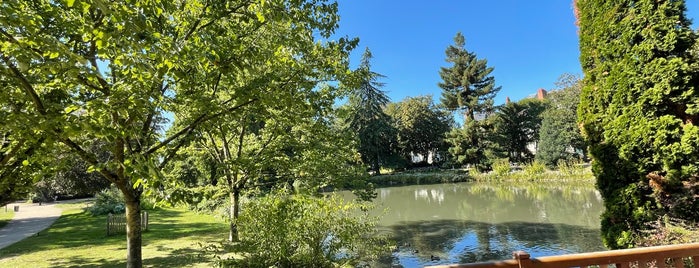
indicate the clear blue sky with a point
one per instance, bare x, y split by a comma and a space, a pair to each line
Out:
529, 43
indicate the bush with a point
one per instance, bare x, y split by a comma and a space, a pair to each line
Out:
501, 167
283, 230
534, 168
108, 201
667, 231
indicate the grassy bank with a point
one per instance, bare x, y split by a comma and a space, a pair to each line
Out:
535, 171
531, 172
6, 216
421, 177
79, 239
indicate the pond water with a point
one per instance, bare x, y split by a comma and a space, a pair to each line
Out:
475, 222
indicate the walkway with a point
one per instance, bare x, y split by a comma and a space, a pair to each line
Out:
30, 220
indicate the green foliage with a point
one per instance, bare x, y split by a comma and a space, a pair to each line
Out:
68, 177
559, 135
501, 167
109, 71
420, 125
412, 178
366, 117
639, 111
108, 201
533, 169
472, 144
571, 167
516, 126
667, 231
467, 85
282, 230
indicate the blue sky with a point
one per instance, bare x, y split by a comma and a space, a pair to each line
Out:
529, 43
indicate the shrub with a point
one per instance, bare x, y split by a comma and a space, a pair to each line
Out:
501, 167
534, 168
667, 231
283, 230
108, 201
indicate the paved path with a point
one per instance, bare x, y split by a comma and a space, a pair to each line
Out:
30, 219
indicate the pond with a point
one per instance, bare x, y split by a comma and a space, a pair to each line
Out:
475, 222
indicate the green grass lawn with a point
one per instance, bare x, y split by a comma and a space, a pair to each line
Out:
5, 217
78, 239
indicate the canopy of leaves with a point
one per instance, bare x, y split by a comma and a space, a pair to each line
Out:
472, 145
559, 136
108, 71
639, 109
420, 125
517, 126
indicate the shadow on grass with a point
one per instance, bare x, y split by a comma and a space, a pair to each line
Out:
176, 258
78, 229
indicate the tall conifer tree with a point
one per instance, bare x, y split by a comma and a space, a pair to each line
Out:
639, 110
367, 117
468, 86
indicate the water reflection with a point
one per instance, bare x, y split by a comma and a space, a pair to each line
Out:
473, 222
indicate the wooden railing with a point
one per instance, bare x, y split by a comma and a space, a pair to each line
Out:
677, 256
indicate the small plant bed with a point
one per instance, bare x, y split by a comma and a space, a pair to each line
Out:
78, 238
6, 216
535, 171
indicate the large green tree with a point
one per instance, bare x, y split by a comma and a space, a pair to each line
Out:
291, 144
517, 126
639, 110
85, 71
559, 136
468, 86
421, 126
366, 116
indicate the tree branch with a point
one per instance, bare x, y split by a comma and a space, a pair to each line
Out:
196, 122
28, 88
90, 159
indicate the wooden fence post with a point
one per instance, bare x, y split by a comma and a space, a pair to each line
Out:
522, 259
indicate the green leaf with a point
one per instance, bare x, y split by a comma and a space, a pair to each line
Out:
25, 163
70, 3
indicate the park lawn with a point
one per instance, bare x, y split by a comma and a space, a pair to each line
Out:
78, 239
6, 216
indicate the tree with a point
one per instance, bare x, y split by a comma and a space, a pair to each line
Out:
468, 86
367, 117
639, 111
516, 126
559, 133
290, 144
106, 71
420, 125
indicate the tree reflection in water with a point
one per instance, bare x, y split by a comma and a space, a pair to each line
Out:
474, 222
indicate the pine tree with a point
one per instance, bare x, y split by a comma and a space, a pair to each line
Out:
639, 110
367, 117
467, 85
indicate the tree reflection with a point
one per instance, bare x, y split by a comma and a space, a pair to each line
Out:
474, 222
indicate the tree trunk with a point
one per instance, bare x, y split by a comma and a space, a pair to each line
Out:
234, 212
134, 258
